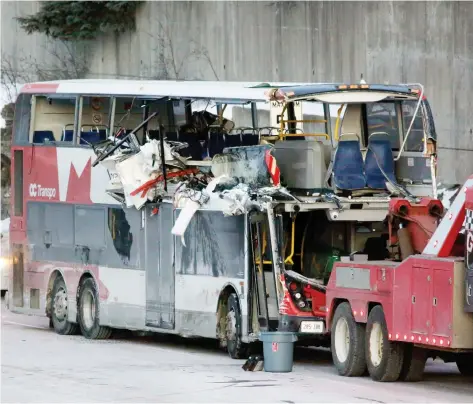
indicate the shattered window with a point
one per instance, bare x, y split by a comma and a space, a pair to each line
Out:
122, 244
214, 246
382, 117
415, 140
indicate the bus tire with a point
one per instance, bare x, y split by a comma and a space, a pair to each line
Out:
235, 346
347, 343
413, 364
89, 312
465, 364
59, 309
384, 358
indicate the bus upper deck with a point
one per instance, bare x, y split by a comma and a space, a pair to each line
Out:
350, 139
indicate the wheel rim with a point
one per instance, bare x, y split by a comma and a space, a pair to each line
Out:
88, 309
376, 344
342, 339
231, 330
60, 305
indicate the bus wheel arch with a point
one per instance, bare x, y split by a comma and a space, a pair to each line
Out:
58, 306
49, 291
229, 323
88, 310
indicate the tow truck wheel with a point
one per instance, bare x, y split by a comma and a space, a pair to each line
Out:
383, 357
465, 364
347, 342
59, 309
413, 363
235, 347
89, 312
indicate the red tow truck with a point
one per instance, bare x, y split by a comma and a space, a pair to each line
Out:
388, 317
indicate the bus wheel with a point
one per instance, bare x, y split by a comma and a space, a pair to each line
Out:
465, 364
235, 347
347, 342
383, 357
413, 363
60, 309
89, 312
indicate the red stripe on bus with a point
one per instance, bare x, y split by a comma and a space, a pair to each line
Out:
39, 88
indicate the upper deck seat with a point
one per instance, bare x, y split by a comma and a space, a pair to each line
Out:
216, 143
232, 140
379, 158
67, 135
194, 150
347, 171
172, 136
249, 139
43, 136
91, 137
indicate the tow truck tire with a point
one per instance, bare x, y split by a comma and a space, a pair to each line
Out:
384, 358
347, 343
465, 364
413, 364
59, 309
89, 312
235, 346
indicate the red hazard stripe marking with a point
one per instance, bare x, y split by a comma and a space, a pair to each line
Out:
149, 184
273, 168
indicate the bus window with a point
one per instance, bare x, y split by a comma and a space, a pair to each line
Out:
129, 112
415, 141
22, 119
89, 226
122, 239
94, 121
52, 115
382, 117
314, 121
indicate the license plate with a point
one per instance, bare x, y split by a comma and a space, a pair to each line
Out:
314, 327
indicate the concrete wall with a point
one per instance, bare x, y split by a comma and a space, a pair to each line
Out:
427, 42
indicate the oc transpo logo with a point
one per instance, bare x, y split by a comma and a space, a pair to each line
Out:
36, 190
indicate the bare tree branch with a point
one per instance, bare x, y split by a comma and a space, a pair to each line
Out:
172, 65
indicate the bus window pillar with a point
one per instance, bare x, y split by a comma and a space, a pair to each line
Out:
278, 263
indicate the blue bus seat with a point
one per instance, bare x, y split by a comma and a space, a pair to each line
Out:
90, 137
43, 136
379, 152
195, 150
348, 167
250, 139
232, 140
67, 135
216, 143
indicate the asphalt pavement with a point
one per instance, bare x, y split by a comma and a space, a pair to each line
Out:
41, 366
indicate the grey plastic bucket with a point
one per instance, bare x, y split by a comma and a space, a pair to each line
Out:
278, 351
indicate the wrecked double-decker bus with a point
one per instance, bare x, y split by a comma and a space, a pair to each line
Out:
178, 207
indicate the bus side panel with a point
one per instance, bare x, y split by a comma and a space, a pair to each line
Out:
212, 259
160, 275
